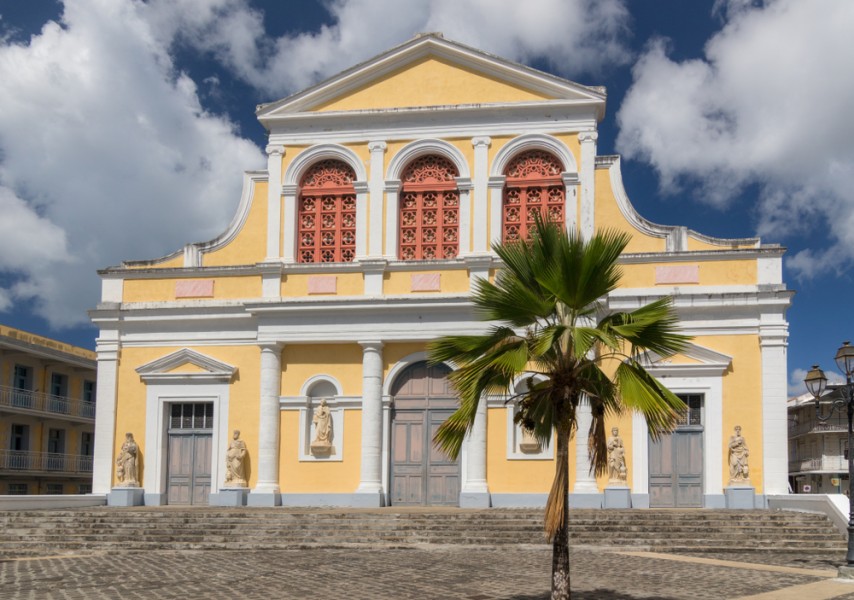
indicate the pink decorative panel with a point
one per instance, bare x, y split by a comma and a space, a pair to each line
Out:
322, 284
677, 274
327, 214
425, 282
199, 288
429, 210
533, 185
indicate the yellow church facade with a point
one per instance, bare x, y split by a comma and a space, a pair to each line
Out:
304, 325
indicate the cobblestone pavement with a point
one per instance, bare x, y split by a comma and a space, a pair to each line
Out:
430, 572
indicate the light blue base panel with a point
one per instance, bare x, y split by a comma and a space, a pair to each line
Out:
519, 500
618, 497
714, 501
640, 500
740, 498
263, 499
155, 499
125, 497
585, 500
474, 500
318, 500
761, 501
367, 500
229, 497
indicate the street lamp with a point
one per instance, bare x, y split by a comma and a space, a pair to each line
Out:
816, 383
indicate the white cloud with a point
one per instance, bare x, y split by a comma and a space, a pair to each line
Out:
574, 36
770, 104
105, 155
796, 381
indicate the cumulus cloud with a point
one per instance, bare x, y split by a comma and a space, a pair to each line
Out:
796, 381
768, 105
573, 36
105, 154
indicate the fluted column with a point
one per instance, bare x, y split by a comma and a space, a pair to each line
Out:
475, 493
266, 491
370, 490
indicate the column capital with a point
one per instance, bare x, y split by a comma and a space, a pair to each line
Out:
372, 345
361, 187
271, 346
275, 150
481, 141
496, 181
290, 189
392, 185
588, 136
464, 184
377, 146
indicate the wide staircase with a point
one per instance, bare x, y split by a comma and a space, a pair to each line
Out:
48, 532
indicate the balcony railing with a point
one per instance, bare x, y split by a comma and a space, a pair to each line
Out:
45, 462
825, 463
26, 400
834, 426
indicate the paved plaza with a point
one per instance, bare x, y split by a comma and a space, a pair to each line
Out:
519, 573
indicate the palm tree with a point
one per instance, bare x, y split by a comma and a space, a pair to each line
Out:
552, 332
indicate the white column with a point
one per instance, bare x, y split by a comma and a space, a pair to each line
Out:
392, 191
274, 200
289, 245
570, 184
475, 493
107, 347
496, 199
588, 188
376, 183
773, 336
585, 482
464, 185
266, 491
481, 182
370, 490
361, 188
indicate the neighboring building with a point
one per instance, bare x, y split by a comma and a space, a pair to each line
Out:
385, 187
47, 415
818, 450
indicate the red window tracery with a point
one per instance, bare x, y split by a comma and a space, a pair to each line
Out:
533, 184
327, 214
429, 210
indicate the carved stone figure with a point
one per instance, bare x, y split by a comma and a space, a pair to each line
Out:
738, 455
617, 472
529, 444
126, 465
235, 467
322, 420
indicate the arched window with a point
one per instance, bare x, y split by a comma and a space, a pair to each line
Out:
429, 210
327, 213
533, 184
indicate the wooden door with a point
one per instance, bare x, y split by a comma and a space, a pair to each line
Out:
676, 470
189, 476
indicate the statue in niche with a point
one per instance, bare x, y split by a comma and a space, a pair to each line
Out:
738, 455
528, 444
235, 466
126, 465
617, 472
321, 445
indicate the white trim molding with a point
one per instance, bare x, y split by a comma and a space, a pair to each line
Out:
302, 161
161, 370
533, 141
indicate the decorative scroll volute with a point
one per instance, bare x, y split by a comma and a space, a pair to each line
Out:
533, 185
429, 210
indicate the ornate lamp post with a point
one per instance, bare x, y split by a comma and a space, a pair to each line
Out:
816, 383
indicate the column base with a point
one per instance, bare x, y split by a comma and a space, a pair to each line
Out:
475, 500
845, 572
740, 497
618, 497
229, 497
125, 497
368, 499
263, 498
155, 499
585, 501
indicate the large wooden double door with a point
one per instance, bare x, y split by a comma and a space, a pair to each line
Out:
189, 452
422, 475
676, 461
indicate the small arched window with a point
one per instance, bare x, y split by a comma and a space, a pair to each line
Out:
429, 210
327, 213
533, 184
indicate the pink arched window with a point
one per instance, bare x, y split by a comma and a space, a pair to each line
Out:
533, 184
327, 214
429, 210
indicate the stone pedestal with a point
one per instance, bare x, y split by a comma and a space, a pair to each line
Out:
740, 497
125, 496
618, 497
264, 498
229, 497
475, 500
585, 500
845, 572
368, 499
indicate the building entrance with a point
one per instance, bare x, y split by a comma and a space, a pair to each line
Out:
422, 475
189, 453
676, 461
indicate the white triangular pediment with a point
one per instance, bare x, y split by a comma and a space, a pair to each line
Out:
694, 358
186, 364
543, 86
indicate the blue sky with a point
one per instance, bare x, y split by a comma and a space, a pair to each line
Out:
125, 125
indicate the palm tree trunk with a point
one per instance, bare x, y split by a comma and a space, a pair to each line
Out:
560, 539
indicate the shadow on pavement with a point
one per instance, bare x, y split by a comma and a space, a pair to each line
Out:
599, 594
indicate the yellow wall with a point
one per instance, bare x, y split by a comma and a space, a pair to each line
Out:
720, 272
250, 244
303, 361
451, 281
514, 476
608, 215
163, 290
295, 285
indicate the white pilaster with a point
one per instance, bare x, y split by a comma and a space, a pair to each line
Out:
570, 184
289, 245
370, 490
481, 182
585, 482
464, 185
274, 201
376, 183
588, 188
496, 199
107, 347
266, 492
361, 188
773, 336
475, 493
392, 192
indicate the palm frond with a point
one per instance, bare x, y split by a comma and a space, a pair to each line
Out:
642, 392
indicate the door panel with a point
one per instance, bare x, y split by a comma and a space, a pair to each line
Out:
676, 470
189, 476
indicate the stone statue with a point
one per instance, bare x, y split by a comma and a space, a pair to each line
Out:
322, 421
529, 444
126, 466
235, 467
738, 455
617, 472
